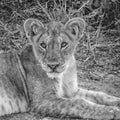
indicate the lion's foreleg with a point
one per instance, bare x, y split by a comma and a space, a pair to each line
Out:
99, 97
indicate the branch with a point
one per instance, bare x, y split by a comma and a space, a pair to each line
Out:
44, 10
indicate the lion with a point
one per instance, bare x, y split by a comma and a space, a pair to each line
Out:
42, 79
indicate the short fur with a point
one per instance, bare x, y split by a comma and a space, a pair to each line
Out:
31, 87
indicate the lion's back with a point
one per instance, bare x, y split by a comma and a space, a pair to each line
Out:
12, 94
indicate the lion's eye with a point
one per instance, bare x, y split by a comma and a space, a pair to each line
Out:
43, 45
64, 44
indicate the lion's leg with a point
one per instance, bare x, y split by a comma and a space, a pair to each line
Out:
77, 108
99, 97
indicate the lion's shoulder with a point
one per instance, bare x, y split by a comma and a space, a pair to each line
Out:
10, 71
12, 86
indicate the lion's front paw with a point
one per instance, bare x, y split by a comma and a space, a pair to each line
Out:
107, 113
114, 103
98, 112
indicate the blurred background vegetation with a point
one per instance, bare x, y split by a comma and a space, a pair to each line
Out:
98, 52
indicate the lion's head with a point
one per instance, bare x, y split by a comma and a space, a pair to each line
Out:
54, 43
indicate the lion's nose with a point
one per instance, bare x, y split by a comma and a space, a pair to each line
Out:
53, 66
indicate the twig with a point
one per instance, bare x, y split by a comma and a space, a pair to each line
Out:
44, 10
79, 8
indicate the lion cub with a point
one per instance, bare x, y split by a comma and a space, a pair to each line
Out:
42, 80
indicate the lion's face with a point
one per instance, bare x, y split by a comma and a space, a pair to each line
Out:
54, 49
54, 43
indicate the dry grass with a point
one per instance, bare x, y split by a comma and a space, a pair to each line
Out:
98, 52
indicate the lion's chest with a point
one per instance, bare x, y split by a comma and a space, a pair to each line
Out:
11, 104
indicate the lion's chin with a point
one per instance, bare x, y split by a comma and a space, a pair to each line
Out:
53, 74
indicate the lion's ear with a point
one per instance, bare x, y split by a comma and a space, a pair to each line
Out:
75, 27
32, 27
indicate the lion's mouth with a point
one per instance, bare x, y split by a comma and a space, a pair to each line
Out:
58, 70
55, 71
